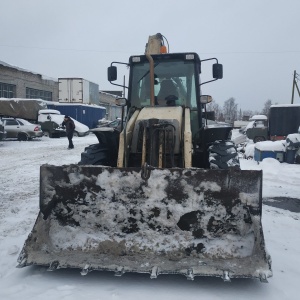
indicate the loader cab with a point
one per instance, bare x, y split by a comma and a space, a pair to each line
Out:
176, 80
176, 83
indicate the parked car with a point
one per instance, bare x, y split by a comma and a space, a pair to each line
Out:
50, 128
2, 131
21, 129
51, 120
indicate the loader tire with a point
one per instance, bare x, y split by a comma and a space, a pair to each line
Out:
95, 154
223, 155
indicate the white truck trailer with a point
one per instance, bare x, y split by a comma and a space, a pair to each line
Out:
78, 90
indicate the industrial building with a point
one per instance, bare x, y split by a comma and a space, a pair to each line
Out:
107, 100
20, 83
16, 82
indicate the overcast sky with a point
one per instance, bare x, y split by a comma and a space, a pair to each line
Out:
257, 41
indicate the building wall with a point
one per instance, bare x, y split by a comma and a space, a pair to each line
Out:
22, 79
108, 101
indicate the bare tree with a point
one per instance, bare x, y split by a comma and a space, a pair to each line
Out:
248, 112
230, 110
266, 108
214, 106
240, 115
209, 106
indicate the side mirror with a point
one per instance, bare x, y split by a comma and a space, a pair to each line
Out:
217, 71
204, 99
121, 101
112, 73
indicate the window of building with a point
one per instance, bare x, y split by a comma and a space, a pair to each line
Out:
7, 90
38, 94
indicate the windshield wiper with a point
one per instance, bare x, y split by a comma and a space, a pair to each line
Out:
148, 71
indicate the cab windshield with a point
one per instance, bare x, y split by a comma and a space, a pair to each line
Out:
174, 84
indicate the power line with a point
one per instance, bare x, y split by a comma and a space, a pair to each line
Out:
254, 52
121, 51
64, 49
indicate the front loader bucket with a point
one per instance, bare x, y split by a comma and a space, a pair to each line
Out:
193, 222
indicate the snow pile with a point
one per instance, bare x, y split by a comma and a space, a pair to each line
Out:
293, 141
271, 146
258, 117
250, 125
280, 179
238, 137
249, 150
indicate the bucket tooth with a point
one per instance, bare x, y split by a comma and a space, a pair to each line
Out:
190, 274
22, 260
22, 263
119, 271
263, 277
85, 270
53, 266
154, 272
226, 276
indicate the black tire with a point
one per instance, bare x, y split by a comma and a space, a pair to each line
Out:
223, 155
46, 133
75, 134
22, 136
95, 154
259, 139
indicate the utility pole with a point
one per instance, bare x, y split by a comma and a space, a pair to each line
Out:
295, 78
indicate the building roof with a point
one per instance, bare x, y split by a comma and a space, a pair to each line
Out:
27, 71
115, 93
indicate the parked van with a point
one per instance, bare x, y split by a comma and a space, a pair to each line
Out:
283, 120
257, 128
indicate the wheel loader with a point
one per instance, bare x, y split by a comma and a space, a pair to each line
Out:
163, 195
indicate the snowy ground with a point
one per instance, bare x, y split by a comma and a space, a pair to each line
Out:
19, 197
